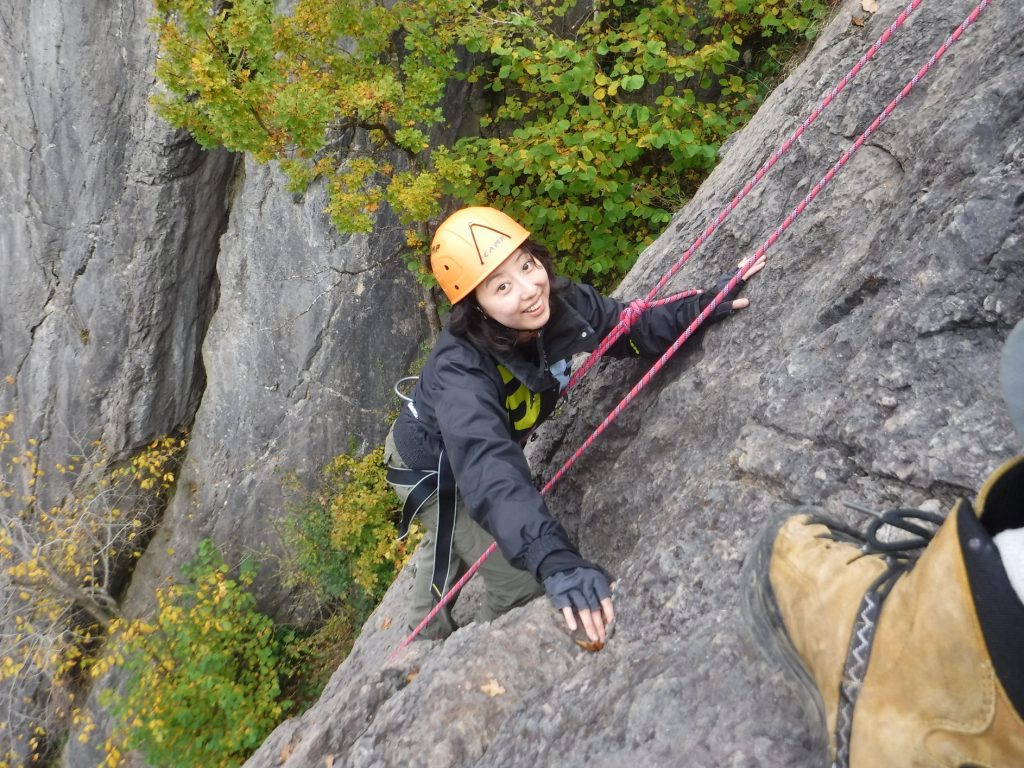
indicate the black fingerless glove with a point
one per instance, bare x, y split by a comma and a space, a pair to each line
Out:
580, 588
724, 309
572, 582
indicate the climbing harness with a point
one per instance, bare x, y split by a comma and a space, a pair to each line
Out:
633, 311
424, 484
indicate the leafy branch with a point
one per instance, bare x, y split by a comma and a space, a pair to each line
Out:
586, 124
60, 570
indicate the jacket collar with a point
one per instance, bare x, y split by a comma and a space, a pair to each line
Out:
565, 334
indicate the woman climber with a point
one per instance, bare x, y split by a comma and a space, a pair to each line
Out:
494, 374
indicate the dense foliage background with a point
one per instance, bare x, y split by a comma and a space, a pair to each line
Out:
590, 122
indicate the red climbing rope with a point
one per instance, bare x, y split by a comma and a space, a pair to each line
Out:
744, 267
625, 323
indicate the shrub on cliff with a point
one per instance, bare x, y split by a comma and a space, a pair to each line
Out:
341, 540
590, 123
206, 676
63, 566
210, 676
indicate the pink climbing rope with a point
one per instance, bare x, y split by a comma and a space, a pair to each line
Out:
625, 323
786, 223
741, 272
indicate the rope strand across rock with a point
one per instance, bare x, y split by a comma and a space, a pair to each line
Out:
741, 272
623, 328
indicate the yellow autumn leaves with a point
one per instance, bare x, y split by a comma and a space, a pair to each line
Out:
60, 562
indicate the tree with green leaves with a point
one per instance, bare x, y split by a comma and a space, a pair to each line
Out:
205, 678
592, 122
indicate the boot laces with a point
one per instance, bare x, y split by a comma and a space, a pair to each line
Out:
913, 529
876, 538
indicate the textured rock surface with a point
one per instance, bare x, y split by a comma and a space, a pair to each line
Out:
108, 231
306, 319
310, 334
866, 369
113, 264
109, 223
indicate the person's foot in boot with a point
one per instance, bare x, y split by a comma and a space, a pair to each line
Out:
915, 649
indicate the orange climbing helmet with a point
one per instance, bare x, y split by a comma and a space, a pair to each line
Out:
469, 245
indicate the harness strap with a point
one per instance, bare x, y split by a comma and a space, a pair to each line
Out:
425, 484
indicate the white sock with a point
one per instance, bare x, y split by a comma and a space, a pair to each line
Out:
1011, 549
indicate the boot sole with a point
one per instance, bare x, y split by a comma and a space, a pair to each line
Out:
769, 635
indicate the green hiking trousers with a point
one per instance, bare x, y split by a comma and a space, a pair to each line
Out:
505, 587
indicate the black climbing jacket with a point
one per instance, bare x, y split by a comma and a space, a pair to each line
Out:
480, 405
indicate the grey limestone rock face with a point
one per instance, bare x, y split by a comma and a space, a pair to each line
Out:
311, 332
127, 297
109, 222
865, 369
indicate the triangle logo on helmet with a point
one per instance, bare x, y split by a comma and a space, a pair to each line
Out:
489, 244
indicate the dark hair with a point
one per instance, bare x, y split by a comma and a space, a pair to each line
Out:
468, 321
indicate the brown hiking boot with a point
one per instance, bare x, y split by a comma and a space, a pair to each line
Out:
914, 648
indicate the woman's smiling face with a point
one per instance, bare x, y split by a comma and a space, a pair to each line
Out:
517, 293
